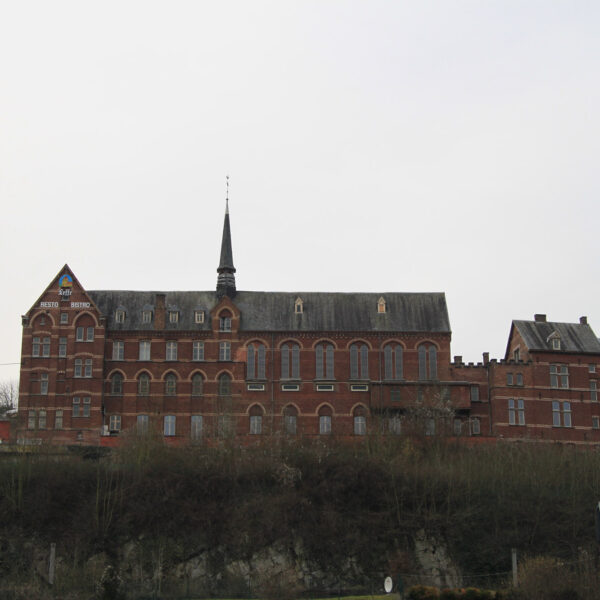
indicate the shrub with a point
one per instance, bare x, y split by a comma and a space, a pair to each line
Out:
423, 592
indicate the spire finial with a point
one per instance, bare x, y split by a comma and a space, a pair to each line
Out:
227, 194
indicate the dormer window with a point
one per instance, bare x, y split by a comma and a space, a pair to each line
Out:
146, 316
120, 315
225, 322
554, 339
298, 306
517, 354
381, 305
173, 316
198, 316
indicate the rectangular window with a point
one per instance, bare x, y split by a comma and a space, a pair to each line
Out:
118, 350
225, 324
76, 407
171, 350
115, 423
58, 419
516, 412
31, 419
42, 419
89, 334
85, 407
474, 393
142, 424
64, 318
198, 316
46, 347
595, 422
430, 427
290, 424
198, 351
78, 367
120, 316
79, 334
88, 368
521, 411
475, 427
35, 348
511, 412
457, 427
566, 407
559, 374
519, 378
395, 395
169, 425
324, 424
62, 347
395, 425
224, 351
556, 414
591, 368
255, 424
360, 425
44, 384
173, 316
196, 427
509, 379
144, 350
146, 316
593, 390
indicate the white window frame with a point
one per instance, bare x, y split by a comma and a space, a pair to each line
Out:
141, 424
198, 316
146, 316
119, 316
360, 425
58, 419
225, 351
86, 404
62, 347
89, 334
42, 418
145, 348
475, 426
88, 368
76, 407
44, 384
64, 318
79, 334
255, 424
118, 350
35, 347
198, 351
170, 422
595, 422
324, 424
196, 426
593, 390
46, 347
171, 350
173, 316
114, 423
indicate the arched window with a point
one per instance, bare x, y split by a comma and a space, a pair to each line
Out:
324, 358
256, 415
325, 420
256, 361
171, 384
359, 361
298, 306
427, 361
290, 351
197, 384
225, 384
225, 321
144, 384
381, 305
116, 384
290, 420
392, 355
360, 421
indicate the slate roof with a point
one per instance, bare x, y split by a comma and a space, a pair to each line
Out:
574, 337
274, 311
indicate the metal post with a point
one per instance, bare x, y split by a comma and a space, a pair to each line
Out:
514, 567
52, 563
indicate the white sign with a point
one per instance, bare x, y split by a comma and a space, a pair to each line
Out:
80, 304
48, 304
388, 585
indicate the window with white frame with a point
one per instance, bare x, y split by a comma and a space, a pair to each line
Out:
196, 427
474, 393
197, 384
62, 347
509, 379
556, 343
143, 384
86, 403
290, 361
595, 422
224, 351
76, 409
516, 411
144, 350
42, 419
141, 424
519, 378
114, 423
44, 384
290, 420
255, 421
256, 361
146, 316
359, 361
116, 384
78, 369
198, 316
58, 419
171, 351
79, 334
46, 347
171, 384
169, 425
392, 359
593, 390
87, 368
591, 368
64, 318
298, 306
119, 316
324, 424
224, 384
559, 376
35, 347
31, 419
324, 360
118, 350
475, 426
225, 322
517, 354
561, 414
173, 316
89, 334
457, 427
360, 421
394, 423
197, 350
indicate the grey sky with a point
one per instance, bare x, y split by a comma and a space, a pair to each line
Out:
372, 146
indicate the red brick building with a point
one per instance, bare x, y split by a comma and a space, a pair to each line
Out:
215, 364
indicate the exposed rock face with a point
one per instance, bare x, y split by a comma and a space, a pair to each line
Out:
436, 566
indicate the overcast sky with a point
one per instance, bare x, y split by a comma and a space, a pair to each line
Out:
405, 146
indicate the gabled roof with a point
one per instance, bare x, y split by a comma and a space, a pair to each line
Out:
274, 311
574, 337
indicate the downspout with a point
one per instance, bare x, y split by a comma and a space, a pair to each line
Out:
272, 382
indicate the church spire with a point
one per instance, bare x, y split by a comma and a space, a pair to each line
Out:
226, 270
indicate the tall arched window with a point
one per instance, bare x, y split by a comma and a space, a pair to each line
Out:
359, 361
256, 417
360, 421
116, 384
392, 355
427, 361
225, 384
256, 361
171, 384
325, 413
290, 357
290, 420
144, 384
197, 384
324, 358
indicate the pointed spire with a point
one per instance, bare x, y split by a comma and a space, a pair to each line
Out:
226, 270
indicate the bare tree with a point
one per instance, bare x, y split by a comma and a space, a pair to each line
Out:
9, 395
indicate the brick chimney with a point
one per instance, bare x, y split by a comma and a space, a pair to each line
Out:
159, 317
583, 320
486, 358
458, 359
539, 318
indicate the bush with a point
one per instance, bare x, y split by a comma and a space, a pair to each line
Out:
423, 592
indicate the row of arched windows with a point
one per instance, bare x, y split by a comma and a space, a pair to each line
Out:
170, 384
